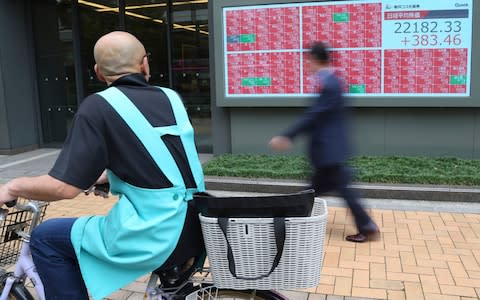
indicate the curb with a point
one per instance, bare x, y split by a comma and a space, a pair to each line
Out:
375, 191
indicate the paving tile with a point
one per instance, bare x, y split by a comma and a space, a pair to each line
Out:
331, 259
393, 264
444, 276
431, 263
120, 295
361, 278
456, 251
317, 297
306, 290
343, 286
345, 272
417, 270
458, 291
362, 249
421, 252
434, 247
403, 277
326, 279
408, 258
136, 296
335, 297
370, 259
457, 269
362, 265
413, 290
377, 271
325, 289
395, 285
446, 257
441, 297
396, 295
347, 254
293, 295
470, 263
467, 282
429, 284
411, 242
369, 293
473, 274
397, 248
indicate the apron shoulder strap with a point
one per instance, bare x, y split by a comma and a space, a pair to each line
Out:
146, 133
187, 136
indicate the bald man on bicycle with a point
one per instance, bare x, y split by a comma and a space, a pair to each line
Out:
141, 135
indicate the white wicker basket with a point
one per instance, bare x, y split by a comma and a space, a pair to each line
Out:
253, 244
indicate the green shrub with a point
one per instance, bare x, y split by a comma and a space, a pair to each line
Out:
391, 169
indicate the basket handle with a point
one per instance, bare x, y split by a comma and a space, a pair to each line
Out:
279, 230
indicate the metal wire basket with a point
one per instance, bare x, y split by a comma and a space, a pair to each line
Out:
10, 241
252, 241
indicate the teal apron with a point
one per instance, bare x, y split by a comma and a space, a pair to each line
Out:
143, 227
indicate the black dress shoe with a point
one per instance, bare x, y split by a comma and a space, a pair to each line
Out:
364, 237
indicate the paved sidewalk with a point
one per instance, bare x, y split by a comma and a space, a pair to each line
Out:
428, 250
422, 255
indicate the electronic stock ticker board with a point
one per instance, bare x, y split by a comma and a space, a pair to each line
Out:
385, 48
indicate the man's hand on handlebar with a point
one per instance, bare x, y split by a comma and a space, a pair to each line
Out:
99, 189
101, 186
6, 197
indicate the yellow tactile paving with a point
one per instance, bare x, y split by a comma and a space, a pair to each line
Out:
422, 255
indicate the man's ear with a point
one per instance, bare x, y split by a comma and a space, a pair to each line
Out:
99, 73
145, 68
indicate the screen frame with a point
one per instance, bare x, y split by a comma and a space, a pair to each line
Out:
217, 53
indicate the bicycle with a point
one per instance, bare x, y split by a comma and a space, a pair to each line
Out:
17, 227
182, 277
177, 281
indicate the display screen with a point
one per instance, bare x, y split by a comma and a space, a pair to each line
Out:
379, 48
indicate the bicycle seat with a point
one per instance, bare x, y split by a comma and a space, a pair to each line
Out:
189, 251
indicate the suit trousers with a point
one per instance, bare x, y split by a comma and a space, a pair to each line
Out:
337, 178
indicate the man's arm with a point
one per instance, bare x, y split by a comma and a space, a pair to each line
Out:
326, 102
45, 188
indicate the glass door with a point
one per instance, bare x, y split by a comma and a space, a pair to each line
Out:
190, 66
96, 18
147, 20
55, 67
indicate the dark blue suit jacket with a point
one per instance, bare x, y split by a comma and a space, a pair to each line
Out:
325, 122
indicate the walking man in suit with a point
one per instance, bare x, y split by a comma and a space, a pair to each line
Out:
325, 122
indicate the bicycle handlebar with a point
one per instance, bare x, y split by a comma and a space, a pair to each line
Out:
31, 205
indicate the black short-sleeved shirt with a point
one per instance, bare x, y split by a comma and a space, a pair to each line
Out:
100, 139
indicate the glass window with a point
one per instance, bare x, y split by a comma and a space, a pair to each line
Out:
191, 75
55, 67
96, 17
147, 20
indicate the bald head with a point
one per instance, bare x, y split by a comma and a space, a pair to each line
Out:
118, 53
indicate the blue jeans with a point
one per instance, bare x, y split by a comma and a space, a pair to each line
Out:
56, 261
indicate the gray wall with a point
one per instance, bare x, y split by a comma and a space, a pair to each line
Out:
18, 117
374, 131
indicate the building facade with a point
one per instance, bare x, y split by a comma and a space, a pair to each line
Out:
46, 64
46, 69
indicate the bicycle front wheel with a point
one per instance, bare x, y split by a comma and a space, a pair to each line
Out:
213, 293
